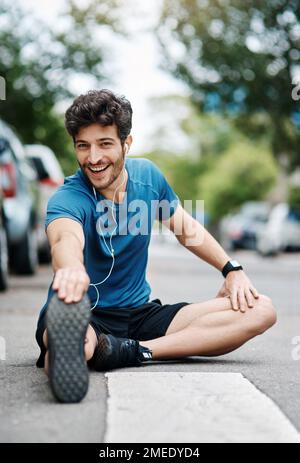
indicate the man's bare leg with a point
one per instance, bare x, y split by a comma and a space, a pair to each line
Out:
89, 346
212, 328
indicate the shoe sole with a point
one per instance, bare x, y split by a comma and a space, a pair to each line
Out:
66, 326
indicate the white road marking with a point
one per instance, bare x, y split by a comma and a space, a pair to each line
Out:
191, 407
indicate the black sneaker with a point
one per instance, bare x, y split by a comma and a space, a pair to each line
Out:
112, 352
67, 325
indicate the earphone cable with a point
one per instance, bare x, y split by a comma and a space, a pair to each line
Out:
111, 250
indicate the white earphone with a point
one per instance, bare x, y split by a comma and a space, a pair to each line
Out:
110, 248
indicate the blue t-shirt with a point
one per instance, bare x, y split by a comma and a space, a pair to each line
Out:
148, 197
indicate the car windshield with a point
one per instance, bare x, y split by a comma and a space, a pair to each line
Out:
255, 211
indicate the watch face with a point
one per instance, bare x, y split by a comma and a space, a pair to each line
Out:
235, 263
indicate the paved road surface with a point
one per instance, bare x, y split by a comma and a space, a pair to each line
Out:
29, 413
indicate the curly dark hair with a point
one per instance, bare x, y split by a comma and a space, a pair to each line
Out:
102, 107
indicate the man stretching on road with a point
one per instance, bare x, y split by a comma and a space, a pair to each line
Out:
98, 311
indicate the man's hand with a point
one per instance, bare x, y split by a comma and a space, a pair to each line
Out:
71, 283
239, 289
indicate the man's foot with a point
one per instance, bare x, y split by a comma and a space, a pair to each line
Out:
112, 352
67, 325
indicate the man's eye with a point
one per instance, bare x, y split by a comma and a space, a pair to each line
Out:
81, 146
106, 143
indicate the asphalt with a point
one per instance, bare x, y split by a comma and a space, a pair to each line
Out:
28, 412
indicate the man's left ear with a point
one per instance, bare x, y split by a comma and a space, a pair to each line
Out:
128, 142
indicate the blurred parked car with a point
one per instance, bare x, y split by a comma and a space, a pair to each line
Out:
20, 202
240, 230
282, 232
3, 249
50, 177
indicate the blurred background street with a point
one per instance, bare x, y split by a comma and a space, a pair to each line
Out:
215, 91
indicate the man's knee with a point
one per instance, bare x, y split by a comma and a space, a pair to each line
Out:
263, 315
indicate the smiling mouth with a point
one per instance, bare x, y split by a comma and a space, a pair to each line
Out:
98, 169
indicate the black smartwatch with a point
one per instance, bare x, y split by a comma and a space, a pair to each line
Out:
230, 266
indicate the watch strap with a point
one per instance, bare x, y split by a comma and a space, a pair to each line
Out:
229, 267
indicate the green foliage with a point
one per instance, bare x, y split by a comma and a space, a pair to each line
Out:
238, 56
228, 170
39, 65
181, 172
245, 172
294, 198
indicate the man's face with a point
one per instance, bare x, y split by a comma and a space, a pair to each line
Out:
99, 154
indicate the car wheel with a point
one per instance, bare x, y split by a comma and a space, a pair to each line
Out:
26, 254
3, 261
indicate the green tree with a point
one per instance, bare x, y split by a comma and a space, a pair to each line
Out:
239, 56
294, 198
181, 172
209, 136
246, 171
39, 64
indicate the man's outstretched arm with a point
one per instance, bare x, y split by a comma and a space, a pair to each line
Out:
66, 241
192, 235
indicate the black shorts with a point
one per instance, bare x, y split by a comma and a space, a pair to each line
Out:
147, 321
